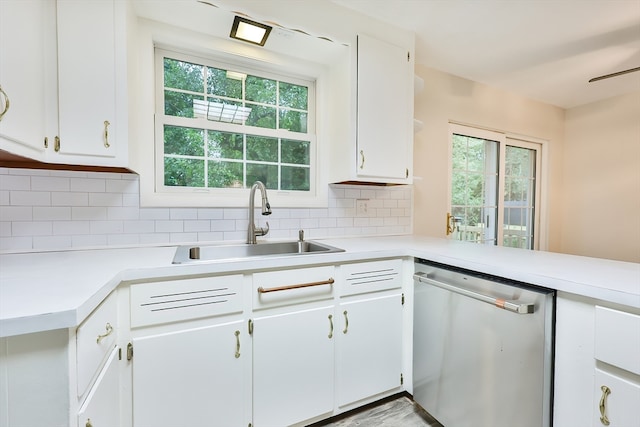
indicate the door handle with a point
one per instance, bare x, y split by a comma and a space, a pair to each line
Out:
514, 307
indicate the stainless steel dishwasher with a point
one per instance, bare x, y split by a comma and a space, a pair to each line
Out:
483, 348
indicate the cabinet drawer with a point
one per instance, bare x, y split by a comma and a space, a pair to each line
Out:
175, 300
617, 339
277, 288
95, 338
620, 406
370, 276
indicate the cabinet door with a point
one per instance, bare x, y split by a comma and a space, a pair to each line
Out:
620, 406
90, 58
102, 406
292, 367
191, 377
369, 347
384, 112
26, 28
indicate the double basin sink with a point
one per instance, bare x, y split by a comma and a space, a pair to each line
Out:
190, 254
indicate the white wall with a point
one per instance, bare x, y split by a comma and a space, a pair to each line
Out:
51, 210
601, 180
449, 98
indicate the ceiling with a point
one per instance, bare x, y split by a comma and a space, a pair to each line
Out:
545, 50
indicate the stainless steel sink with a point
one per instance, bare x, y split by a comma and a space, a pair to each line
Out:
190, 254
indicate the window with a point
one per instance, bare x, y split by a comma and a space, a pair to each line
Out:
221, 127
494, 188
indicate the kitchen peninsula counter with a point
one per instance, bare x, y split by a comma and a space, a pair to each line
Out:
42, 291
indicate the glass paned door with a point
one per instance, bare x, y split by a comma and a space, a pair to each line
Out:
519, 200
494, 188
474, 189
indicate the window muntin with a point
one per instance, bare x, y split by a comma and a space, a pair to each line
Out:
223, 127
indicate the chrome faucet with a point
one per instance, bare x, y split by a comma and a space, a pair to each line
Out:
254, 231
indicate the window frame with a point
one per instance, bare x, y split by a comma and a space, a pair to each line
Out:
504, 139
162, 119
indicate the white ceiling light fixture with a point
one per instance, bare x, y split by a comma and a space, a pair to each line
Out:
249, 31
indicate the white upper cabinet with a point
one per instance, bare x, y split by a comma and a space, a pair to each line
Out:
92, 82
27, 66
384, 133
63, 74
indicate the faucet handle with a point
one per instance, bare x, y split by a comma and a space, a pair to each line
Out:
262, 231
301, 235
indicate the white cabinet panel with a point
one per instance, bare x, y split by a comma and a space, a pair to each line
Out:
102, 406
88, 66
191, 377
384, 110
369, 347
622, 405
292, 367
27, 54
618, 339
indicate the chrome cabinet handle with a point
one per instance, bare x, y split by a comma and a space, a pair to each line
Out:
606, 391
330, 326
7, 104
362, 157
106, 134
109, 330
346, 322
237, 344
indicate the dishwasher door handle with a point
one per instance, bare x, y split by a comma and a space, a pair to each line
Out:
515, 307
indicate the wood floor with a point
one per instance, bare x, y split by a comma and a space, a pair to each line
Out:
400, 411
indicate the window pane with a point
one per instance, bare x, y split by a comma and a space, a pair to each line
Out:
260, 116
519, 195
262, 148
219, 84
183, 75
295, 178
459, 158
179, 104
268, 174
183, 141
183, 172
225, 145
224, 174
295, 121
261, 90
296, 152
293, 96
475, 154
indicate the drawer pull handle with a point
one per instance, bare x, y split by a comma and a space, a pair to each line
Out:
346, 322
237, 344
329, 281
109, 330
606, 391
330, 326
362, 157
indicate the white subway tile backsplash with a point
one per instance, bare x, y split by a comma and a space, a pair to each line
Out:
43, 210
88, 185
30, 198
59, 213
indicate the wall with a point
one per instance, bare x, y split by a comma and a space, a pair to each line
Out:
449, 98
601, 179
49, 210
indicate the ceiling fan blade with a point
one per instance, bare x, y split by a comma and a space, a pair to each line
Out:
619, 73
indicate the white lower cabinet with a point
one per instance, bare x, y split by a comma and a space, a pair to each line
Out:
369, 347
102, 406
597, 365
190, 377
617, 401
293, 366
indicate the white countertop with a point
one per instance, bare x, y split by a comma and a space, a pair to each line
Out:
50, 290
